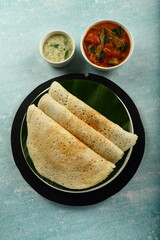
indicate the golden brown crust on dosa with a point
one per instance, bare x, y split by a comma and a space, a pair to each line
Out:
61, 157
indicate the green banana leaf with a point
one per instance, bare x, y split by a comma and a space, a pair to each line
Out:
100, 98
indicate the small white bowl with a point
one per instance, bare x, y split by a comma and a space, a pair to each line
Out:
61, 63
112, 67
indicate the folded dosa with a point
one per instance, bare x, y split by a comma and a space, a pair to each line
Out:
61, 157
123, 139
85, 133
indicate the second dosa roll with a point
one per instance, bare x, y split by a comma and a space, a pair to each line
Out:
85, 133
123, 139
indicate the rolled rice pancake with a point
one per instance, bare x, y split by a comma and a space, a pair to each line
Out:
123, 139
61, 157
85, 133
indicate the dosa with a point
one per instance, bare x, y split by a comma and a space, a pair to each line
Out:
123, 139
85, 133
61, 157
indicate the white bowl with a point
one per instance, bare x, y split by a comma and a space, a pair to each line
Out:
112, 67
61, 63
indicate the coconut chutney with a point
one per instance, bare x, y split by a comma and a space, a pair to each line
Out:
57, 48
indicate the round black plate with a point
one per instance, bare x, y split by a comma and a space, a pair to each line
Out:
81, 198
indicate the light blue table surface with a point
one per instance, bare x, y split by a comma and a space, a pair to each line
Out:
134, 212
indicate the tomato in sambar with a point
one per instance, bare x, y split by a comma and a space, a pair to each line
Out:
106, 44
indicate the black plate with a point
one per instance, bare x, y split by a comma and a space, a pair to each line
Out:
80, 198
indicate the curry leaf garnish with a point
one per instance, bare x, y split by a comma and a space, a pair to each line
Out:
93, 49
66, 54
106, 40
123, 48
102, 55
65, 41
118, 31
55, 45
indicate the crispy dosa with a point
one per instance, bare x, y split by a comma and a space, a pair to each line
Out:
123, 139
85, 133
61, 157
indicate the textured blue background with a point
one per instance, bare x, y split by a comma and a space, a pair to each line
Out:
134, 212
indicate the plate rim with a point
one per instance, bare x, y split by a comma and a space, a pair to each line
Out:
80, 198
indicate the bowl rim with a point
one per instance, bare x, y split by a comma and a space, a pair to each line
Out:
54, 32
128, 33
